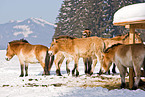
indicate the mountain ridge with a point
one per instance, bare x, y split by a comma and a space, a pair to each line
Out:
35, 30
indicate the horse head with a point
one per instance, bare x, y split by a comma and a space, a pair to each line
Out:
9, 53
12, 46
108, 56
86, 33
53, 48
106, 62
60, 43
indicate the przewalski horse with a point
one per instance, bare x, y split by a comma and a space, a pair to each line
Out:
87, 61
123, 39
61, 56
28, 53
131, 55
79, 47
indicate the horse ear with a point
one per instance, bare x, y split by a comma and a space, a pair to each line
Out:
8, 44
55, 41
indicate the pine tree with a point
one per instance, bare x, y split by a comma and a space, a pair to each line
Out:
97, 15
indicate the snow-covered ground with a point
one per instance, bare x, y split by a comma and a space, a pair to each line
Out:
35, 85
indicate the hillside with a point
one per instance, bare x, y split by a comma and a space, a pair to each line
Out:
35, 30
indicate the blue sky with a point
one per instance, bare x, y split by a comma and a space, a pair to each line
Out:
23, 9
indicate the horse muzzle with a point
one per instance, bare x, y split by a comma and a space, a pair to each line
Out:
50, 52
8, 59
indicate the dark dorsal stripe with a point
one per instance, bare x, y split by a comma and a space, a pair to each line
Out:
21, 40
64, 36
107, 50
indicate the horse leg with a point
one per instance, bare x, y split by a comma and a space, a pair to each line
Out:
67, 68
47, 64
100, 57
51, 62
26, 69
144, 66
22, 70
85, 63
123, 71
75, 67
113, 69
93, 67
45, 68
137, 69
58, 61
90, 64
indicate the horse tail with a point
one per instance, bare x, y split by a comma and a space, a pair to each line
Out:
144, 66
47, 60
51, 62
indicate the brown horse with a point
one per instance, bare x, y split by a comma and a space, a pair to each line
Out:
79, 47
107, 41
61, 56
131, 55
28, 53
87, 61
123, 39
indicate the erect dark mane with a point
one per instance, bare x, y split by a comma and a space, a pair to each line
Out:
126, 36
65, 36
21, 40
107, 50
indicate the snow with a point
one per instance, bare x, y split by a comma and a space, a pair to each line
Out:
41, 21
35, 85
135, 12
24, 29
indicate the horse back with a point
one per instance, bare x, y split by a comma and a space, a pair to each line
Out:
32, 53
88, 45
130, 53
40, 51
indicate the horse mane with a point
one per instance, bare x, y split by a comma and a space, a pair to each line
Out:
126, 36
64, 36
107, 50
21, 40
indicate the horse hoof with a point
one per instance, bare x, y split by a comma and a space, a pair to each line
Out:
91, 73
47, 74
68, 72
59, 75
21, 75
26, 74
77, 74
122, 85
134, 88
113, 71
107, 73
86, 74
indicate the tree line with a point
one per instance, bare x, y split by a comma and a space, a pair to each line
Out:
97, 15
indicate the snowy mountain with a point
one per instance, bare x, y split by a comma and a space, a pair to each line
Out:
35, 30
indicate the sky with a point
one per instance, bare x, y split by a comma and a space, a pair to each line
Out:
24, 9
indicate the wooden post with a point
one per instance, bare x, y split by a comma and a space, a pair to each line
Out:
131, 41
